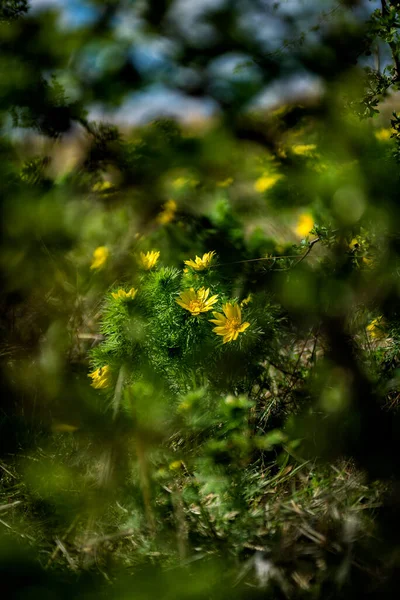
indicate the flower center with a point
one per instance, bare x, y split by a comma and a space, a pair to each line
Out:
195, 306
234, 324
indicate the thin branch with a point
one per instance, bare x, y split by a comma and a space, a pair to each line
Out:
107, 538
7, 471
310, 247
64, 551
5, 507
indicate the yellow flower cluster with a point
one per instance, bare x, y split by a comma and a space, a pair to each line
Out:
199, 264
148, 261
100, 256
168, 213
122, 295
228, 324
101, 378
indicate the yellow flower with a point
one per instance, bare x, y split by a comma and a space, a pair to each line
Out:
148, 260
101, 378
168, 213
369, 262
266, 182
304, 225
383, 134
100, 256
247, 300
304, 149
229, 324
122, 295
180, 182
199, 264
225, 183
354, 244
102, 186
196, 302
320, 167
170, 205
374, 329
175, 465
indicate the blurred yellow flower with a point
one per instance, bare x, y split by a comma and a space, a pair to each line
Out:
168, 213
100, 256
383, 134
375, 330
247, 300
199, 264
102, 186
355, 242
369, 262
122, 295
304, 225
198, 301
225, 183
101, 378
266, 182
149, 260
320, 167
179, 182
304, 149
175, 465
229, 324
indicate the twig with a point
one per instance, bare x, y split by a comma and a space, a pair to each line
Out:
249, 260
57, 548
7, 471
63, 549
282, 370
107, 538
5, 524
5, 507
310, 247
